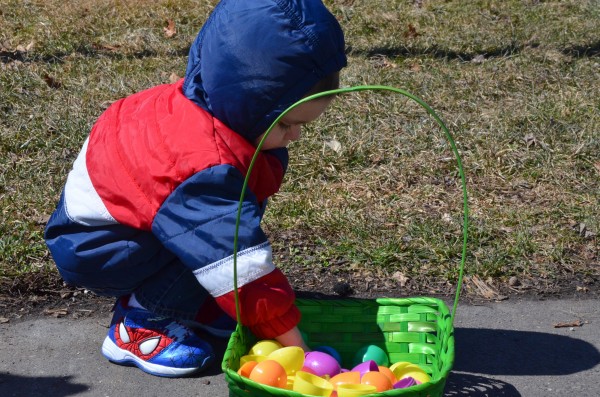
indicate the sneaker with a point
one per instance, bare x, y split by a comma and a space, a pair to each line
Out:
155, 344
221, 327
212, 319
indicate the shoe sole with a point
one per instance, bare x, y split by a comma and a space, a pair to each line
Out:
120, 356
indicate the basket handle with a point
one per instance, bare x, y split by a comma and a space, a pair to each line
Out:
342, 91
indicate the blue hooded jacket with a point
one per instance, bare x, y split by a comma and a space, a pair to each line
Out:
253, 59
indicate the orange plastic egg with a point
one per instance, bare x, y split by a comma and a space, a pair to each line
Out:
377, 379
269, 372
247, 368
351, 377
388, 372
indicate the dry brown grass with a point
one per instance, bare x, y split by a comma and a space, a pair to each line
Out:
515, 81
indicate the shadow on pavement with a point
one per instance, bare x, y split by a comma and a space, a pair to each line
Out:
506, 352
219, 346
460, 384
56, 386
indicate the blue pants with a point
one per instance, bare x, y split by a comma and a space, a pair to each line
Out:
116, 260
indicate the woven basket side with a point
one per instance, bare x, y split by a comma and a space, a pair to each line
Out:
418, 330
411, 330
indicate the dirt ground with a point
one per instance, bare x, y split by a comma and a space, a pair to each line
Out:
45, 294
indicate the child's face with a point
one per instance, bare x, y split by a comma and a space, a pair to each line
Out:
288, 128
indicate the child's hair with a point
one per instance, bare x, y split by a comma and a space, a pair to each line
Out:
330, 82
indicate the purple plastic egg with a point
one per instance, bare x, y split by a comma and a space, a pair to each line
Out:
331, 351
405, 382
367, 366
309, 370
321, 363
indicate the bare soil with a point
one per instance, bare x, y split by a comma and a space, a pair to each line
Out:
45, 294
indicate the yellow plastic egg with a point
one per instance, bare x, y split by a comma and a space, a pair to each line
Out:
251, 357
264, 347
414, 371
398, 366
291, 358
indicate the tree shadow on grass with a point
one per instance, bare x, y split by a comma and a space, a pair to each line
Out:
581, 50
435, 51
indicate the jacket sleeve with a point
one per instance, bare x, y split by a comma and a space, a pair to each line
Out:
197, 223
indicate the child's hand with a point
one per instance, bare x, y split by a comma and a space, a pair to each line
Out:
293, 338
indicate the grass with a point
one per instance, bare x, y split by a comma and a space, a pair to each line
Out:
515, 81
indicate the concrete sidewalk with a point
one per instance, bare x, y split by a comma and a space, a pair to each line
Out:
509, 348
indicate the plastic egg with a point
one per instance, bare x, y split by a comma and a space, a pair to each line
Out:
247, 368
251, 357
377, 379
291, 358
355, 390
404, 383
372, 352
269, 372
290, 382
342, 378
306, 369
331, 351
312, 385
413, 371
398, 365
367, 366
264, 347
419, 377
388, 372
321, 363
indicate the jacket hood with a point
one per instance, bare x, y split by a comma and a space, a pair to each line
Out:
253, 59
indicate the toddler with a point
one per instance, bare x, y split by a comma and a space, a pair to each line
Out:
148, 211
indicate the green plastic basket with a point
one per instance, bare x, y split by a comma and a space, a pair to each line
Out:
417, 330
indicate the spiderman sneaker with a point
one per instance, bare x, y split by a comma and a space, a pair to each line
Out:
213, 320
221, 327
157, 345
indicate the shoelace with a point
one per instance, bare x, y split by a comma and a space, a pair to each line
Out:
177, 330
